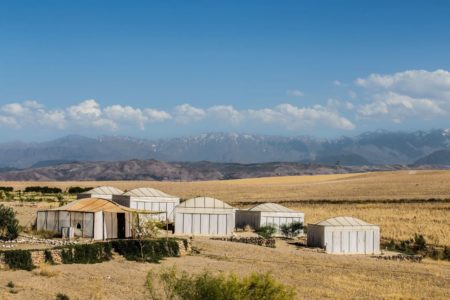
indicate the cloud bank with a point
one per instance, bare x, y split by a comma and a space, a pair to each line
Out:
90, 114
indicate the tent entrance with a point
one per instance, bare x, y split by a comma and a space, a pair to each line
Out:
121, 225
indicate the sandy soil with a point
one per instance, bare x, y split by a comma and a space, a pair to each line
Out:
312, 274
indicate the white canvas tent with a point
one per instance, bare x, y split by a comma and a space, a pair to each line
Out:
97, 219
345, 235
204, 216
101, 192
149, 199
268, 214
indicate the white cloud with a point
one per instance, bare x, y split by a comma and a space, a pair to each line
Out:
186, 113
399, 96
295, 93
91, 115
226, 112
294, 118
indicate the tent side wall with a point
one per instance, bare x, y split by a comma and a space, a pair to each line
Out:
204, 221
162, 204
122, 200
316, 236
98, 226
98, 196
360, 240
280, 218
250, 218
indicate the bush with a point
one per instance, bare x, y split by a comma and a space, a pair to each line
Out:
266, 231
42, 189
146, 250
61, 296
48, 257
208, 286
6, 189
19, 259
9, 225
10, 284
291, 229
78, 190
86, 253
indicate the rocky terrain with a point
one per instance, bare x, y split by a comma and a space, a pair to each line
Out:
177, 171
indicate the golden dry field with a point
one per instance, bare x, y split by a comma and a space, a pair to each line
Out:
365, 186
398, 201
313, 275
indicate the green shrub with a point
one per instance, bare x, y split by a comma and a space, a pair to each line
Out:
11, 285
61, 296
146, 250
266, 231
42, 189
9, 225
291, 229
48, 257
86, 253
78, 190
6, 189
207, 286
19, 259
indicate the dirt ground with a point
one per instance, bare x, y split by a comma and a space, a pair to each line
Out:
314, 275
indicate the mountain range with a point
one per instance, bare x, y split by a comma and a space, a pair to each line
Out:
220, 156
371, 148
368, 149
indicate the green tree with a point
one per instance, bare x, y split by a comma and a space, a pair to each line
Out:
291, 229
266, 231
9, 225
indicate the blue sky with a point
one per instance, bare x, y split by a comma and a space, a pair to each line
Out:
174, 68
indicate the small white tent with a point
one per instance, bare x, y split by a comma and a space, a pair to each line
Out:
204, 216
149, 199
345, 235
101, 192
97, 219
268, 214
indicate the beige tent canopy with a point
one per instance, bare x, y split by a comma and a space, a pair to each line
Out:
94, 218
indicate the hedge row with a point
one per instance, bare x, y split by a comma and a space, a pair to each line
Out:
42, 189
146, 250
19, 259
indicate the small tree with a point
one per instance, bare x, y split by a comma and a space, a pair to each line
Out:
291, 229
9, 225
266, 231
144, 229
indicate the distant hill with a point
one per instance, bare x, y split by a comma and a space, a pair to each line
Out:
371, 148
441, 157
186, 171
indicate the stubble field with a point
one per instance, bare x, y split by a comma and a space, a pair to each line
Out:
402, 203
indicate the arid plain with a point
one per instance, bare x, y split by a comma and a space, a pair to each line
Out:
402, 203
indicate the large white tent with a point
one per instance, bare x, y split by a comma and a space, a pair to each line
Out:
268, 214
101, 192
204, 216
149, 199
97, 219
345, 235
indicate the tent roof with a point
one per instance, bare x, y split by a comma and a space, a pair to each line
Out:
147, 192
271, 207
104, 190
96, 205
205, 202
344, 221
